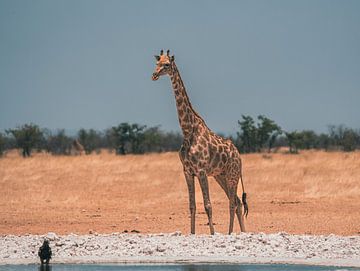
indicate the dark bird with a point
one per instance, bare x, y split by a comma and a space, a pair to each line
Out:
45, 252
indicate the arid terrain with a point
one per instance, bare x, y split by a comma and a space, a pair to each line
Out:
314, 192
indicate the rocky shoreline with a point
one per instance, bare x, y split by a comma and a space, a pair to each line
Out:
178, 248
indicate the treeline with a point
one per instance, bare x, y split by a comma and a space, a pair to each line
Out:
264, 135
122, 139
254, 135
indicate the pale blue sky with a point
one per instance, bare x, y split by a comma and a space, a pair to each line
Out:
73, 64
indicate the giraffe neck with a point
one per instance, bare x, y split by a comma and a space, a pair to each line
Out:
188, 117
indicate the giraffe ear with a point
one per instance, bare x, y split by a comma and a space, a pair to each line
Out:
157, 58
172, 58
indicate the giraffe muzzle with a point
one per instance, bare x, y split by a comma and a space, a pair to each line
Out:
155, 76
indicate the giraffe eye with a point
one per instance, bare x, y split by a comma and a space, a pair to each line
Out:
166, 65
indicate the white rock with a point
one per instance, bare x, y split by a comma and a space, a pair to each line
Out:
51, 236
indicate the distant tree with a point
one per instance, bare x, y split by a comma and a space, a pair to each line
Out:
294, 140
324, 141
267, 132
2, 144
59, 144
171, 141
136, 138
119, 136
152, 140
336, 134
253, 138
248, 135
126, 138
90, 139
110, 139
156, 140
309, 139
236, 140
349, 140
27, 137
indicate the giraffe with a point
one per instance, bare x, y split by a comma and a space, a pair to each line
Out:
77, 148
203, 153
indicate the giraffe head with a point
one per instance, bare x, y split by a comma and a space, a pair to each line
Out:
163, 65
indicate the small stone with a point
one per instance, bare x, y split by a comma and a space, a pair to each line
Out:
147, 251
311, 255
160, 249
177, 233
51, 236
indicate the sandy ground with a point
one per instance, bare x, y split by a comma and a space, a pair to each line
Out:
90, 201
178, 248
310, 193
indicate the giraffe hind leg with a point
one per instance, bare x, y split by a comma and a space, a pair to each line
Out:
221, 180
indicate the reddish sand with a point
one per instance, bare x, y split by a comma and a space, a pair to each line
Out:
313, 193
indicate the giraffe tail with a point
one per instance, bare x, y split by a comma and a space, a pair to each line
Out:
244, 201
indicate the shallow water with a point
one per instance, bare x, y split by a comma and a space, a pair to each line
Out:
184, 267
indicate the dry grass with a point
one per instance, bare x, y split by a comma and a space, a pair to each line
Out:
314, 192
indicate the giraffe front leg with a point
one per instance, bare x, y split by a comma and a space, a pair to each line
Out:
206, 196
191, 187
239, 214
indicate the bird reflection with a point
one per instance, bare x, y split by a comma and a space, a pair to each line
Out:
45, 267
211, 267
195, 268
190, 268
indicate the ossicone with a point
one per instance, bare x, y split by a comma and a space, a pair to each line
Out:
158, 57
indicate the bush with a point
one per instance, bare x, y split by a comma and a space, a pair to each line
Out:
59, 144
155, 140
